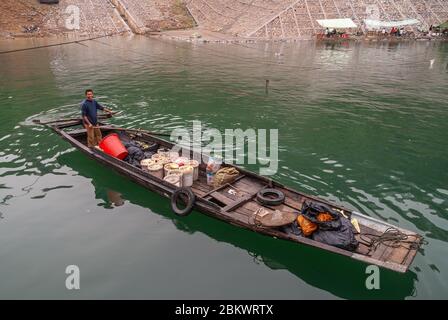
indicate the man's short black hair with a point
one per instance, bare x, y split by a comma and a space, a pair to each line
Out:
89, 90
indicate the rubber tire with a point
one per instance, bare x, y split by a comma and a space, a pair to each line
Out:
191, 200
261, 197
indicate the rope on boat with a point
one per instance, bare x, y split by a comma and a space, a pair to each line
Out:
392, 238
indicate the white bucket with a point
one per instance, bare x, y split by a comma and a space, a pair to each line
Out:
163, 161
174, 179
187, 175
195, 165
145, 163
173, 156
170, 166
182, 161
164, 152
173, 171
157, 157
156, 170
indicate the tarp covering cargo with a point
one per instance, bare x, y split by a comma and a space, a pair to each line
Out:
376, 24
337, 23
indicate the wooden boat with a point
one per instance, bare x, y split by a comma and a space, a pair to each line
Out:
239, 206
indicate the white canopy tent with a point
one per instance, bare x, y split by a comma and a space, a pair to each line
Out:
337, 23
377, 24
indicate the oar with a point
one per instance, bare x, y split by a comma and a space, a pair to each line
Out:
37, 121
101, 116
135, 130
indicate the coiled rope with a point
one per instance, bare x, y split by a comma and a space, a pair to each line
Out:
393, 238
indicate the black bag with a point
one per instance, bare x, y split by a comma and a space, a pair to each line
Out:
343, 238
135, 153
311, 210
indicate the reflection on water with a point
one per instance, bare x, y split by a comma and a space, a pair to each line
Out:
362, 125
313, 266
115, 198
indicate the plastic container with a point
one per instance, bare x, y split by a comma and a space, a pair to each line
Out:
145, 163
213, 164
173, 156
173, 171
157, 157
170, 166
156, 170
163, 161
175, 179
187, 175
210, 178
195, 165
181, 161
164, 152
112, 145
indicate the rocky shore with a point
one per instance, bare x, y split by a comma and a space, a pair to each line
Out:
29, 18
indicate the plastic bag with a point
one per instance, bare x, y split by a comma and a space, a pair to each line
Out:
225, 175
306, 225
324, 216
213, 164
343, 238
311, 211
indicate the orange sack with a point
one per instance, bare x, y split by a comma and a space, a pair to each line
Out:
324, 216
306, 225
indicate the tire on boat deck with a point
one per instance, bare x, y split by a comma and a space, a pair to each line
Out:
264, 198
181, 194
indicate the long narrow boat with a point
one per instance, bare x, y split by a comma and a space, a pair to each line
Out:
240, 206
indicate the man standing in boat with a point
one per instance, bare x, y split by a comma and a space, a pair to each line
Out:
89, 109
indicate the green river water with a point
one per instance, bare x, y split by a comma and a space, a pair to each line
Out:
362, 125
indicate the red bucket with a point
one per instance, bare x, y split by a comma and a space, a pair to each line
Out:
111, 144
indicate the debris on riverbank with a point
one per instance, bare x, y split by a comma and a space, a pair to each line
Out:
79, 18
25, 18
213, 21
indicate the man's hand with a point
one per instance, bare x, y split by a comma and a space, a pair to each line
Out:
86, 122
